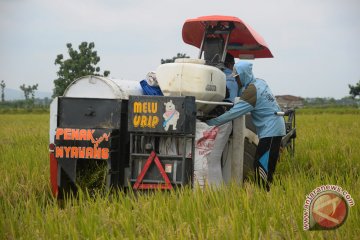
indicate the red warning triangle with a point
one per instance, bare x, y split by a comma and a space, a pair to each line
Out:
139, 185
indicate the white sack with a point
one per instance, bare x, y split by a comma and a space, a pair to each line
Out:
209, 145
168, 146
215, 177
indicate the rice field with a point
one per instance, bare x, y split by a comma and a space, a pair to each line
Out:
327, 152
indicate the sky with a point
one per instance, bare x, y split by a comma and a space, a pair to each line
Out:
315, 43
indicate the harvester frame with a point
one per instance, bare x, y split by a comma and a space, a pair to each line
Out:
214, 36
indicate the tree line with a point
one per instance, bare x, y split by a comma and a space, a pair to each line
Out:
28, 91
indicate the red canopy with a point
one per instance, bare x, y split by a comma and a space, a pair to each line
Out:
243, 39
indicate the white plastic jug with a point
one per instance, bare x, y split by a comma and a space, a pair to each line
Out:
190, 77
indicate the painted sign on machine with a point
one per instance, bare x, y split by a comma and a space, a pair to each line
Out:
161, 114
74, 143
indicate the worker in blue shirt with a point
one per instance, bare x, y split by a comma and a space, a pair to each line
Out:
232, 86
257, 98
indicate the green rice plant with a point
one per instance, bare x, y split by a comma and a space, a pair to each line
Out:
327, 152
93, 176
328, 110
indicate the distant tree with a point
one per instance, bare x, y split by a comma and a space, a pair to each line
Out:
29, 90
319, 101
171, 60
33, 89
355, 90
25, 90
80, 63
2, 85
46, 101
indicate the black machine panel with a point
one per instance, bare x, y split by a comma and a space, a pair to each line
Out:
152, 119
91, 133
165, 115
173, 168
91, 112
91, 144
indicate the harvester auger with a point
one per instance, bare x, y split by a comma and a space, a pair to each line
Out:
148, 142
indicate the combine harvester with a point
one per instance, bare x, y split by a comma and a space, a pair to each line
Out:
151, 142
